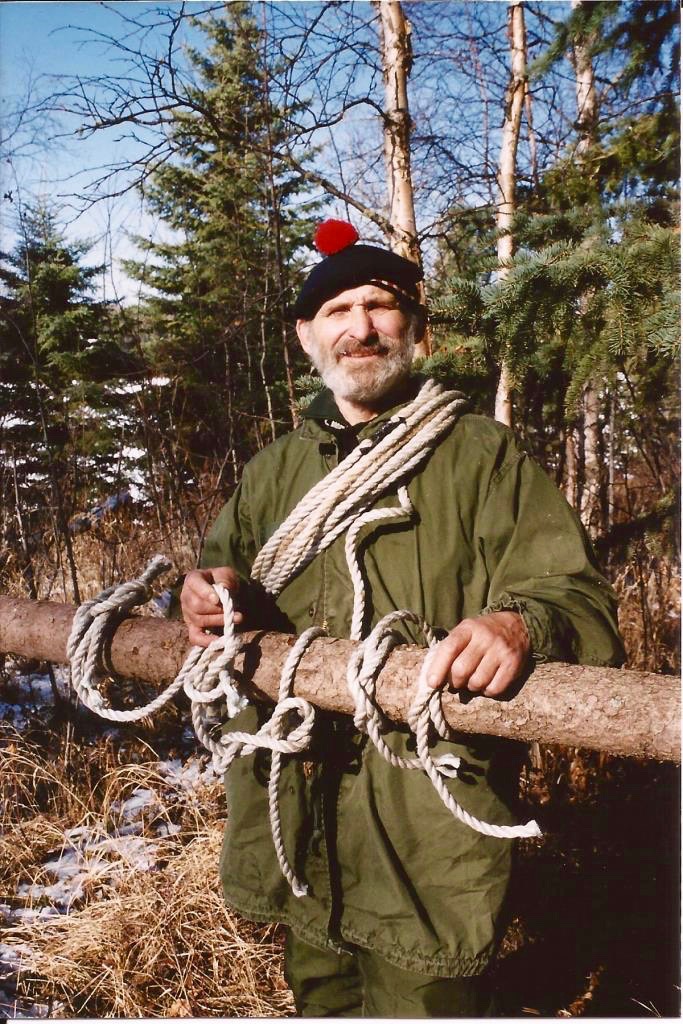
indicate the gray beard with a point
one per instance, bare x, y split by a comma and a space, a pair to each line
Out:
359, 383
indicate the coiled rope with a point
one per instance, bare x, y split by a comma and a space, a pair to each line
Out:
342, 501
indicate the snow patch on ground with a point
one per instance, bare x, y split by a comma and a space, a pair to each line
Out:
96, 855
13, 959
29, 697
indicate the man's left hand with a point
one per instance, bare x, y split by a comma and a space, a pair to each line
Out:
484, 655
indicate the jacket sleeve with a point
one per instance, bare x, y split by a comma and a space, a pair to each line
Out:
230, 540
541, 564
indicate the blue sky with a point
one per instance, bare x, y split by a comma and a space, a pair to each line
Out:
40, 39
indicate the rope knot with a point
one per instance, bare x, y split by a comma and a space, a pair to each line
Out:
291, 738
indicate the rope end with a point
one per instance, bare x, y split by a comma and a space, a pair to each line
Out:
447, 765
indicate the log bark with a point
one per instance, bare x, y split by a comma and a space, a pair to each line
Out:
636, 714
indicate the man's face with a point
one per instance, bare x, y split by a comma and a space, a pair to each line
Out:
360, 342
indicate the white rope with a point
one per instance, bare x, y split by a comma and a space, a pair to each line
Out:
342, 501
350, 490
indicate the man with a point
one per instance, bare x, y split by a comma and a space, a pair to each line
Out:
403, 910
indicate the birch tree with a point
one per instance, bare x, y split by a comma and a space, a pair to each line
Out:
395, 32
587, 120
514, 103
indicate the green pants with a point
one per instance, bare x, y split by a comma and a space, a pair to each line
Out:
360, 984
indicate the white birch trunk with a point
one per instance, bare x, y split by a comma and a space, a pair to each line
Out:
396, 62
514, 103
587, 119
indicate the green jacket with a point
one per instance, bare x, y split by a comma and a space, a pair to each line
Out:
388, 868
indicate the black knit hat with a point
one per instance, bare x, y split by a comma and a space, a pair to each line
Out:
347, 265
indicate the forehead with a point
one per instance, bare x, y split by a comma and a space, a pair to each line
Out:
364, 293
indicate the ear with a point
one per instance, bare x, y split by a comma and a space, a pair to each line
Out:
420, 321
303, 330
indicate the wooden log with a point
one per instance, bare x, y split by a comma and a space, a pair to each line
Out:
636, 714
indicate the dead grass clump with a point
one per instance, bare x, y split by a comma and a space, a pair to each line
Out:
23, 845
117, 548
163, 944
32, 783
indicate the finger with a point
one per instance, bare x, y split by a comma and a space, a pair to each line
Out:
484, 673
198, 604
446, 651
198, 589
198, 637
211, 620
204, 620
196, 601
227, 576
465, 666
506, 675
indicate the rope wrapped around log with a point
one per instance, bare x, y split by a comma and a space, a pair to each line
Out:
210, 683
617, 711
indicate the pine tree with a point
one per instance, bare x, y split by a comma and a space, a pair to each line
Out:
217, 288
58, 429
592, 293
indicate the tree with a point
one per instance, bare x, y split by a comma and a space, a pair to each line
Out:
641, 34
58, 436
514, 102
218, 285
396, 63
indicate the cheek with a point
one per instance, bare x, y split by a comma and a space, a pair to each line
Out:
326, 337
393, 325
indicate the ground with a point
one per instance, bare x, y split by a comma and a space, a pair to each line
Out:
112, 906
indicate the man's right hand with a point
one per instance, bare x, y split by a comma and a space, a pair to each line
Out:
201, 604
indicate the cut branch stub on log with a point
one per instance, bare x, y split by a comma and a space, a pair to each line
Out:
635, 714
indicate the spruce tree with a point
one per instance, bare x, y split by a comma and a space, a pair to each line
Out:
592, 293
59, 425
216, 289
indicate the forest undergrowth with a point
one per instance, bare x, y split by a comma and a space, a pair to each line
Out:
110, 901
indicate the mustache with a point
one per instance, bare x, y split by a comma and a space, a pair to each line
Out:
352, 348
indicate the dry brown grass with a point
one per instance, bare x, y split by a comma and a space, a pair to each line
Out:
162, 944
153, 943
137, 943
115, 549
648, 587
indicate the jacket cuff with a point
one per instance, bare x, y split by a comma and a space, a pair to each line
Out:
536, 620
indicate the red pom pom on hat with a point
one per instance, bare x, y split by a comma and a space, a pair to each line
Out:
334, 235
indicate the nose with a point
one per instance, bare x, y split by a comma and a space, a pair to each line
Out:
360, 323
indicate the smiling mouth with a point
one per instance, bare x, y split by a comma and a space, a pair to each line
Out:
362, 353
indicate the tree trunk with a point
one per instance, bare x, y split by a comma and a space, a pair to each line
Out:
621, 712
586, 95
396, 62
590, 510
514, 103
587, 120
571, 485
